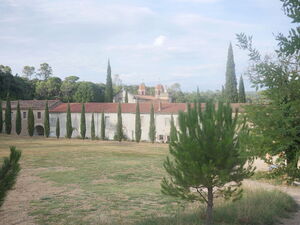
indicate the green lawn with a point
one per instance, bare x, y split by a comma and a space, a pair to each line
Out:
99, 180
96, 182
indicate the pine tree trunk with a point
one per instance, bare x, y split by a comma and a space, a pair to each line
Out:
209, 209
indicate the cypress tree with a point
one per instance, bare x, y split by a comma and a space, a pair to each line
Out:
82, 122
93, 128
57, 128
8, 172
108, 88
30, 122
102, 126
69, 127
242, 94
18, 120
152, 129
1, 117
46, 121
138, 129
173, 131
119, 134
231, 83
126, 96
8, 116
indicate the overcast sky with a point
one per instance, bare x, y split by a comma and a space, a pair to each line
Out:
153, 41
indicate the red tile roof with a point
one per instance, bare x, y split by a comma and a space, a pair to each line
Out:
166, 108
34, 104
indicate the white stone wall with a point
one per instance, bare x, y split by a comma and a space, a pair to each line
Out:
162, 122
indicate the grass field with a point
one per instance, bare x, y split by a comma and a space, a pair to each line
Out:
90, 182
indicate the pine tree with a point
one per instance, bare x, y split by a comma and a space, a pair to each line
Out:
173, 131
93, 128
30, 122
46, 121
82, 122
208, 160
108, 88
126, 96
1, 117
231, 83
138, 129
9, 172
18, 120
119, 133
242, 94
69, 127
8, 116
102, 126
57, 128
152, 129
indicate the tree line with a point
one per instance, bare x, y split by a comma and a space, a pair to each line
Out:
6, 123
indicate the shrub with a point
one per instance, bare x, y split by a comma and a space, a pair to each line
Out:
9, 172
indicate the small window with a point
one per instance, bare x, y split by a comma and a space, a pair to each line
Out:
161, 137
24, 115
39, 115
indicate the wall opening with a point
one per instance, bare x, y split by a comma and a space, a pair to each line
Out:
39, 130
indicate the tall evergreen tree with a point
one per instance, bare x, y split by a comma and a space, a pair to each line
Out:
126, 96
69, 127
138, 129
46, 121
8, 116
119, 133
173, 131
242, 94
231, 83
82, 122
57, 128
18, 120
102, 126
93, 128
30, 122
8, 172
1, 117
109, 88
152, 128
208, 160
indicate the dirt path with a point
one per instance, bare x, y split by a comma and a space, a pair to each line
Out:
292, 191
16, 207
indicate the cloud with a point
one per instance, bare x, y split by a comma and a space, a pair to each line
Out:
199, 1
159, 41
189, 19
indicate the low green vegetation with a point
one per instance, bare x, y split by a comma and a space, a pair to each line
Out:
103, 182
260, 207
